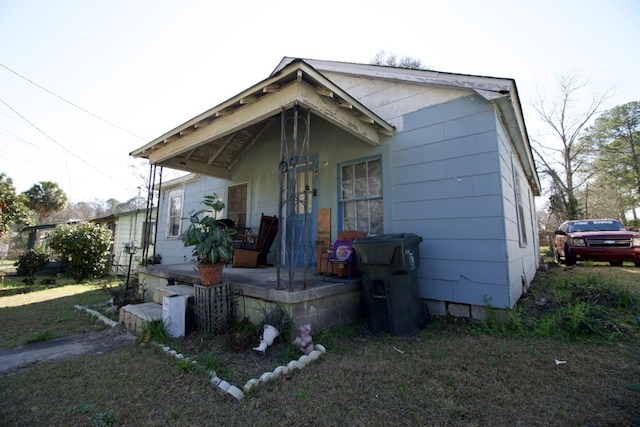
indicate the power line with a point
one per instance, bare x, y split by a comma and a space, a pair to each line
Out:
60, 145
71, 103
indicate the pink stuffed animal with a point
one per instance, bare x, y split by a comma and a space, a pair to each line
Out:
304, 340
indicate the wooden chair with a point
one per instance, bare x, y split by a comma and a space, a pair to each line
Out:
250, 250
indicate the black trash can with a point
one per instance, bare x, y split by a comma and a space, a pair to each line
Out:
389, 265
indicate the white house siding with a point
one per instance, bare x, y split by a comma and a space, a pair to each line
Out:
128, 228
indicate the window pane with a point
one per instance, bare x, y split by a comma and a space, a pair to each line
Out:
349, 216
347, 182
377, 217
303, 191
360, 184
375, 178
175, 214
362, 202
237, 204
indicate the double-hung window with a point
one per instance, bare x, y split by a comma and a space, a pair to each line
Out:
174, 217
237, 204
361, 196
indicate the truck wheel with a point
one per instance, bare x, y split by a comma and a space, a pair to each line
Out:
568, 259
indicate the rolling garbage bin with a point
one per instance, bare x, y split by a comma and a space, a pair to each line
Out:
389, 264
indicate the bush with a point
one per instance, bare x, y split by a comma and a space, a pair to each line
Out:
30, 263
84, 246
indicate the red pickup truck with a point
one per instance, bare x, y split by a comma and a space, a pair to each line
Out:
605, 240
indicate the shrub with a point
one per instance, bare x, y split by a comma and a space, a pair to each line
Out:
30, 263
85, 247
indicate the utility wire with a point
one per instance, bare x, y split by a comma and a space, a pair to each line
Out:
71, 103
60, 145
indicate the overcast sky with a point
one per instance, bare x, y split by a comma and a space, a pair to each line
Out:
135, 69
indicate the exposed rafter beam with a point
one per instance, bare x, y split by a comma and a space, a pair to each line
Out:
344, 104
324, 91
271, 88
220, 149
180, 163
268, 106
249, 100
252, 142
224, 113
344, 119
188, 156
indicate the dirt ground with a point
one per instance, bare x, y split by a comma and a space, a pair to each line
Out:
24, 356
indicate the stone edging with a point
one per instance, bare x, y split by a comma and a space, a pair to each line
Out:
299, 364
101, 317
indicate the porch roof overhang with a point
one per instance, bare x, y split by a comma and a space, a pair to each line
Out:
214, 141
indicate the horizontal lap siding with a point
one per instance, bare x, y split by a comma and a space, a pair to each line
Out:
522, 258
173, 250
447, 188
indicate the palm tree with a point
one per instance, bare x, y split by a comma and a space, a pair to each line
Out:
45, 198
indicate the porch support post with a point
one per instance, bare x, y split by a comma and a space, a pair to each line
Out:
294, 159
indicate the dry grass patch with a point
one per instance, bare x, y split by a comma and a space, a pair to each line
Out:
46, 312
452, 373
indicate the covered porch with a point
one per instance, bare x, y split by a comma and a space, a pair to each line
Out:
322, 302
262, 139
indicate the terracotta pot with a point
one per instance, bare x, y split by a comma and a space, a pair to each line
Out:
210, 274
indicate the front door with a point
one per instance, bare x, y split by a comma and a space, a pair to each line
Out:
305, 191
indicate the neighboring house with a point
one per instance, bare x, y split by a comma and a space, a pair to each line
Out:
377, 149
127, 228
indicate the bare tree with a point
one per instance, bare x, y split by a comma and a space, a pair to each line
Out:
391, 60
564, 156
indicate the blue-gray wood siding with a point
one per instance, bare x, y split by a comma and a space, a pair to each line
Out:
447, 176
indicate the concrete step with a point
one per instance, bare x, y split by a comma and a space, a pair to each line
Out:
133, 316
163, 291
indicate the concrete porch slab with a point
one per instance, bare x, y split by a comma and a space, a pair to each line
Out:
133, 316
320, 303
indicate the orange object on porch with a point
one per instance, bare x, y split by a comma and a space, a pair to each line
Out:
251, 249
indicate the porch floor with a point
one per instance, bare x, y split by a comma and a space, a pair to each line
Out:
263, 278
323, 303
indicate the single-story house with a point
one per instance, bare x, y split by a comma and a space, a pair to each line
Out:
332, 146
130, 229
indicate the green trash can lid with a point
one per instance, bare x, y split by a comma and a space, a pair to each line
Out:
407, 238
379, 249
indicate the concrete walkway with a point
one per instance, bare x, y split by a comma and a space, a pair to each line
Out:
16, 358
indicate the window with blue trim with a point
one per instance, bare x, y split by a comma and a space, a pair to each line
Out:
361, 196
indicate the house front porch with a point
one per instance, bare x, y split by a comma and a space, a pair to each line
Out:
321, 303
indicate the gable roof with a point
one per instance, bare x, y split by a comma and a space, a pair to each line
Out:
501, 92
212, 142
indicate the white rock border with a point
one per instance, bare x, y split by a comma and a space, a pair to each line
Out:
304, 360
101, 317
299, 364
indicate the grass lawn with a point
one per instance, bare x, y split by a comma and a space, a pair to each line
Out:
454, 372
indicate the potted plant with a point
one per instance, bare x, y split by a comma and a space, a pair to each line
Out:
212, 243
